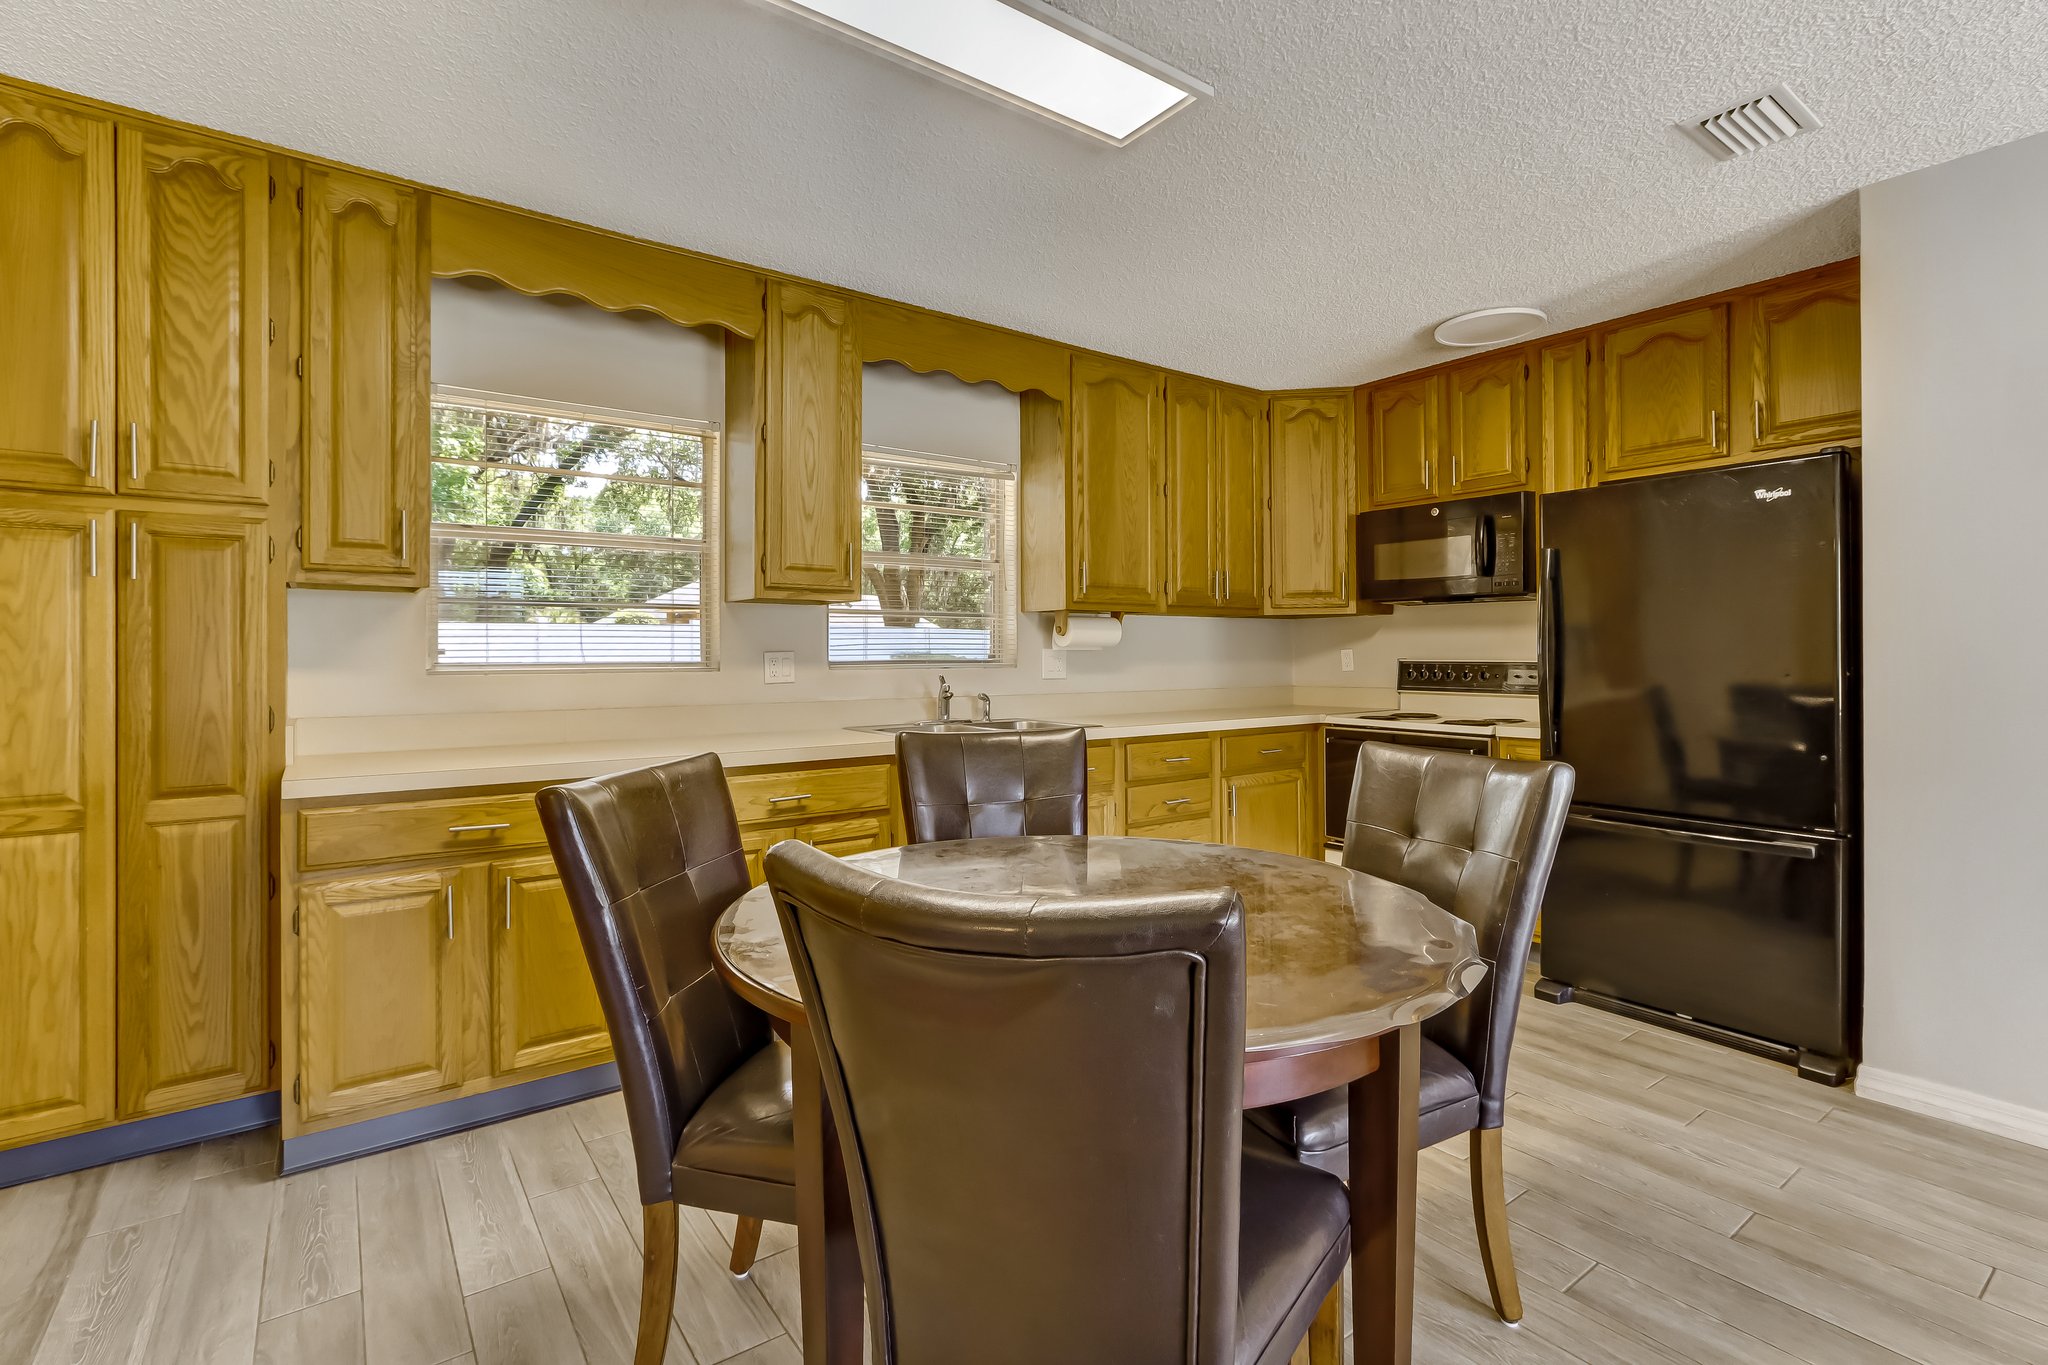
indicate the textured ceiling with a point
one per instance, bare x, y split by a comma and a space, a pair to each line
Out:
1363, 171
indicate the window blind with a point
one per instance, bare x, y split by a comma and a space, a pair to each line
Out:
570, 537
938, 546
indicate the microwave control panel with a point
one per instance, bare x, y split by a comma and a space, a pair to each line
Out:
1466, 675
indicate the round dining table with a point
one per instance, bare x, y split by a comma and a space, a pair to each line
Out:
1341, 967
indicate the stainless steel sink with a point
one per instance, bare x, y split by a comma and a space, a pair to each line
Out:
966, 727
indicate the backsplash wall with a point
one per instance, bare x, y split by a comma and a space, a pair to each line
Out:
1438, 630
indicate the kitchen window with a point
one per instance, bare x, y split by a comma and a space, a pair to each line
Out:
938, 546
571, 537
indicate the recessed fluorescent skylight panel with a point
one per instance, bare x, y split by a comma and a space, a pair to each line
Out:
1023, 52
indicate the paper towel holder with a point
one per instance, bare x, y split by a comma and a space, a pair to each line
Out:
1059, 619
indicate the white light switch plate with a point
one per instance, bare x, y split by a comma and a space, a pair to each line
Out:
778, 666
1052, 663
1344, 659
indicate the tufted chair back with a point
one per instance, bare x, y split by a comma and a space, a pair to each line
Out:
990, 784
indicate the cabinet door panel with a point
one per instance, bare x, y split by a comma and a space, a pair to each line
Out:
1115, 503
56, 821
1308, 567
1806, 364
56, 295
1268, 811
1666, 391
857, 834
810, 448
1401, 439
1562, 380
544, 1006
193, 289
1241, 497
366, 382
380, 991
1486, 416
1193, 573
193, 1019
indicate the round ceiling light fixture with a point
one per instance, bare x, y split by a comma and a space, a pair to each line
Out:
1491, 326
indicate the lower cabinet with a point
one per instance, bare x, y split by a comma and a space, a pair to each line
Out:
1266, 810
544, 1007
1523, 750
1253, 789
381, 985
855, 834
1102, 788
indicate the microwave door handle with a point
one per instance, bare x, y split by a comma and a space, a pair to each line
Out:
1482, 545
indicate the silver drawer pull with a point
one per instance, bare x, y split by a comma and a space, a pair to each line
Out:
1272, 751
472, 829
779, 800
1182, 758
449, 895
1180, 800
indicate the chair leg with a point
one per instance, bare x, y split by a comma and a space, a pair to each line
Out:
1490, 1212
1326, 1334
746, 1240
657, 1282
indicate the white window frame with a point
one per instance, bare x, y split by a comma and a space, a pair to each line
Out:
1003, 566
711, 563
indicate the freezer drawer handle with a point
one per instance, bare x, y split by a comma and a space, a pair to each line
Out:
1784, 848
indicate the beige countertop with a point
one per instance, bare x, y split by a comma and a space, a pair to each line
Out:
374, 773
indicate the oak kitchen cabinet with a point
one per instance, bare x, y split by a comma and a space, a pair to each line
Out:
1454, 432
793, 461
1267, 801
1116, 431
1309, 542
1805, 362
1665, 391
134, 262
364, 485
1401, 421
540, 1014
1215, 497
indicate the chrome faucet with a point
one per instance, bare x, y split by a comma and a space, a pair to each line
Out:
945, 698
988, 708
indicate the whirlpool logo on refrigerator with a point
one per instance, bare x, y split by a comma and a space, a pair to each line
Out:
1772, 494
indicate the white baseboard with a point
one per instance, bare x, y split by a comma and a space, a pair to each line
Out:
1966, 1107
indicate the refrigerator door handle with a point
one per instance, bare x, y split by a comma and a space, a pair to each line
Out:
1549, 656
1785, 848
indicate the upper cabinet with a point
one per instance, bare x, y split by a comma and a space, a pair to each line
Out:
57, 284
1666, 391
192, 297
1309, 549
1402, 420
794, 450
1115, 448
365, 509
1485, 426
1805, 370
1215, 497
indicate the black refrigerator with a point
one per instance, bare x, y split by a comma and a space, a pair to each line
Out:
1699, 648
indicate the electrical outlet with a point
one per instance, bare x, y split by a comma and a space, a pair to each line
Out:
1052, 663
778, 666
1344, 660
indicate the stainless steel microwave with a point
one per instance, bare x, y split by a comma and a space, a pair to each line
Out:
1457, 551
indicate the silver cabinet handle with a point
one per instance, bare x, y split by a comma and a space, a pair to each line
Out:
403, 538
92, 451
1454, 471
450, 899
1179, 758
93, 553
1757, 425
134, 531
779, 800
471, 829
1084, 575
1714, 429
1226, 585
1272, 751
508, 902
1178, 801
134, 457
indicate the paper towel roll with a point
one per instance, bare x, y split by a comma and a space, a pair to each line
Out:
1089, 632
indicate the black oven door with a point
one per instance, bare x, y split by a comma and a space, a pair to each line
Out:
1446, 551
1340, 765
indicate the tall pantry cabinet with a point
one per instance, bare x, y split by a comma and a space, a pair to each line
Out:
137, 606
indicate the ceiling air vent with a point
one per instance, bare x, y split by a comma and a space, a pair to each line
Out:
1775, 116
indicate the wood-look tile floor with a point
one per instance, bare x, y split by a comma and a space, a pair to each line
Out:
1671, 1202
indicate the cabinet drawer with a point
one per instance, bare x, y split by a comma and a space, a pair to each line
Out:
1152, 759
808, 791
1523, 750
860, 834
1157, 801
1201, 830
343, 836
1249, 753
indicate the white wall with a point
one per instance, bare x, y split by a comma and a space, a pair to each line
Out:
1955, 291
365, 653
1504, 631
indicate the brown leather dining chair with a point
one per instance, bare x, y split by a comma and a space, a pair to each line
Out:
649, 860
968, 786
1038, 1100
1477, 836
